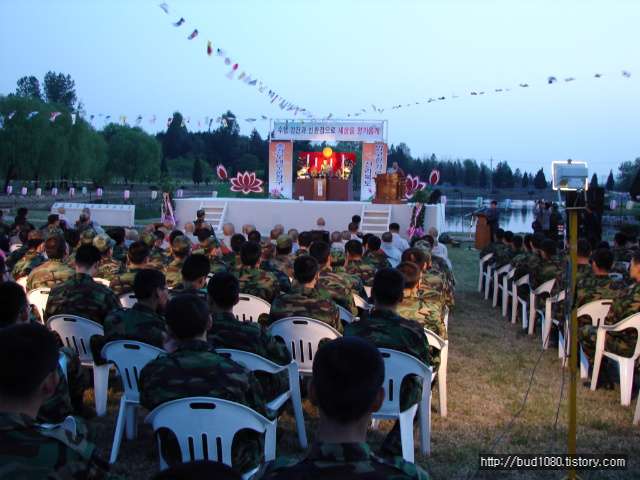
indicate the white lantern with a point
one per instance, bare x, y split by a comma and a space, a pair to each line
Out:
38, 192
179, 193
72, 191
507, 203
84, 190
443, 199
54, 191
24, 191
9, 190
99, 192
613, 204
126, 194
154, 194
629, 205
479, 202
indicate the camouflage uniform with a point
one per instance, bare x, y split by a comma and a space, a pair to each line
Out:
120, 253
217, 264
195, 369
305, 302
622, 270
331, 286
284, 263
173, 272
123, 283
48, 274
228, 332
233, 262
299, 253
621, 254
86, 238
186, 287
157, 260
110, 268
138, 323
283, 278
51, 230
547, 269
340, 461
506, 256
24, 266
375, 259
258, 283
14, 257
81, 296
363, 270
434, 290
387, 329
28, 451
625, 303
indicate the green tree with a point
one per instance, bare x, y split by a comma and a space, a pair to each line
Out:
594, 181
525, 180
471, 172
60, 89
133, 154
540, 181
29, 87
164, 168
174, 142
634, 188
196, 175
482, 177
610, 182
248, 162
503, 176
626, 173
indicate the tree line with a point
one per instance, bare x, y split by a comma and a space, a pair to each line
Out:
43, 150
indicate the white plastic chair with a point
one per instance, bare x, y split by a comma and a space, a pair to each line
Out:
398, 365
507, 291
598, 311
361, 303
69, 423
14, 247
546, 287
22, 281
205, 427
250, 307
302, 336
441, 375
548, 320
497, 284
368, 291
75, 333
128, 300
445, 319
129, 358
626, 365
481, 274
636, 416
102, 281
345, 315
488, 275
517, 301
38, 298
256, 362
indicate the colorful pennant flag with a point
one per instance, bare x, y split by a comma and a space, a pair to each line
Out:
179, 22
164, 7
31, 115
11, 114
626, 74
73, 119
209, 49
193, 35
54, 115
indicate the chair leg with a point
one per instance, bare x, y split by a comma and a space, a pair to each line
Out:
424, 417
636, 416
626, 366
514, 304
494, 302
101, 385
505, 296
117, 438
132, 420
597, 358
406, 433
296, 402
584, 364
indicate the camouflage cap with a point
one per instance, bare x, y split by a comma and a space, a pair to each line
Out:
103, 242
147, 238
35, 235
268, 249
337, 255
181, 245
209, 243
284, 241
87, 236
425, 246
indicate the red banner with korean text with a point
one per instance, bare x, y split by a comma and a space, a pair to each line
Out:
280, 169
374, 161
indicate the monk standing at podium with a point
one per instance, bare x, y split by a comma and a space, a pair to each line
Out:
493, 216
396, 169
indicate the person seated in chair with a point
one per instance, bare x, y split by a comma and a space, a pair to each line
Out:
348, 374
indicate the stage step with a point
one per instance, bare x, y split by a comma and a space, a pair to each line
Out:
215, 213
375, 219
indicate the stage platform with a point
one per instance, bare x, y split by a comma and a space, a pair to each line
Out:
301, 215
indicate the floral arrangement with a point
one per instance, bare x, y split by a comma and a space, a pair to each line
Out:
275, 193
419, 199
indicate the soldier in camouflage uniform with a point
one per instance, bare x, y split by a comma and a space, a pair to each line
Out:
109, 266
211, 247
385, 328
338, 262
283, 260
304, 300
53, 271
86, 238
432, 289
26, 449
228, 332
80, 294
32, 258
620, 251
355, 264
254, 281
268, 249
232, 259
355, 369
157, 258
495, 244
304, 242
413, 307
144, 321
15, 256
180, 248
53, 226
138, 257
67, 397
119, 249
195, 270
193, 368
372, 255
511, 250
625, 303
329, 284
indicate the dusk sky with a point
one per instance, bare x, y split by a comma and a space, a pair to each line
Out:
340, 57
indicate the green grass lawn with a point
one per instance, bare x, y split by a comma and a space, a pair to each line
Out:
490, 368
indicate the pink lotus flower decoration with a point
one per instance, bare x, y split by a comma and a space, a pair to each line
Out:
434, 178
413, 184
222, 172
246, 183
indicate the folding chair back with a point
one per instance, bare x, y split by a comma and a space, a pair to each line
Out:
302, 336
597, 310
361, 303
38, 298
205, 427
128, 300
441, 375
345, 315
22, 281
481, 274
102, 281
250, 307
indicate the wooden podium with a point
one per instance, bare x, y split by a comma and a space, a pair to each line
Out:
483, 232
311, 188
389, 189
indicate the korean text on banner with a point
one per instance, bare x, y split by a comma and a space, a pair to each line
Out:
374, 161
280, 169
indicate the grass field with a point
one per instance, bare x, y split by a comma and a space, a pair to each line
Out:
490, 369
